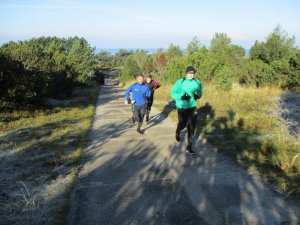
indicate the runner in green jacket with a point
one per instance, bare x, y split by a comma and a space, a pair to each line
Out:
186, 92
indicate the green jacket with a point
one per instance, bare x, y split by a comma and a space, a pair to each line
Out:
186, 86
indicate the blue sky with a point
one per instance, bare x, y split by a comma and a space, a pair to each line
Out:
148, 24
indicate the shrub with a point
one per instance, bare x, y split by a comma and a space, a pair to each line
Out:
224, 79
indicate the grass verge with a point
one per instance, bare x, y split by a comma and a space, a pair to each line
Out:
39, 154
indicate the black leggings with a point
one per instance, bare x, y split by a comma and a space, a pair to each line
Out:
187, 118
139, 112
150, 102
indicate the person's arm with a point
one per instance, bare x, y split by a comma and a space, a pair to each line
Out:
199, 90
127, 92
176, 92
148, 92
156, 85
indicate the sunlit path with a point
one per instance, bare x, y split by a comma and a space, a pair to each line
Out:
128, 178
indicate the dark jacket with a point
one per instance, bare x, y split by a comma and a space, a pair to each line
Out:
153, 85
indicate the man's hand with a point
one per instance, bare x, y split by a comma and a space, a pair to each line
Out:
185, 97
128, 101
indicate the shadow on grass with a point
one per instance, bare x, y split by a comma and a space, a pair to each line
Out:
248, 147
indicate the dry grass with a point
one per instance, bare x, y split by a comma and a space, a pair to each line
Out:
39, 152
246, 124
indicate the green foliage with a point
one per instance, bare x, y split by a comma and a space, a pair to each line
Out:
210, 62
295, 61
220, 42
193, 46
257, 51
144, 62
224, 79
130, 69
121, 56
236, 52
18, 84
105, 60
44, 67
257, 73
278, 46
173, 51
175, 69
274, 62
281, 71
140, 63
279, 52
81, 59
293, 79
206, 63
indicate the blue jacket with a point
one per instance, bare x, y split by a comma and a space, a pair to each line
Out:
140, 93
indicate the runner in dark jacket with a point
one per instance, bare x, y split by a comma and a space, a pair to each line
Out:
140, 95
153, 85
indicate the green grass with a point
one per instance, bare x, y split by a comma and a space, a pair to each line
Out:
246, 125
39, 151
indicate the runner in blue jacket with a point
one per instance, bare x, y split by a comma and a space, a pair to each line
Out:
140, 94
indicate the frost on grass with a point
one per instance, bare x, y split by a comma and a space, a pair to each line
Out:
39, 152
33, 203
35, 176
289, 106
